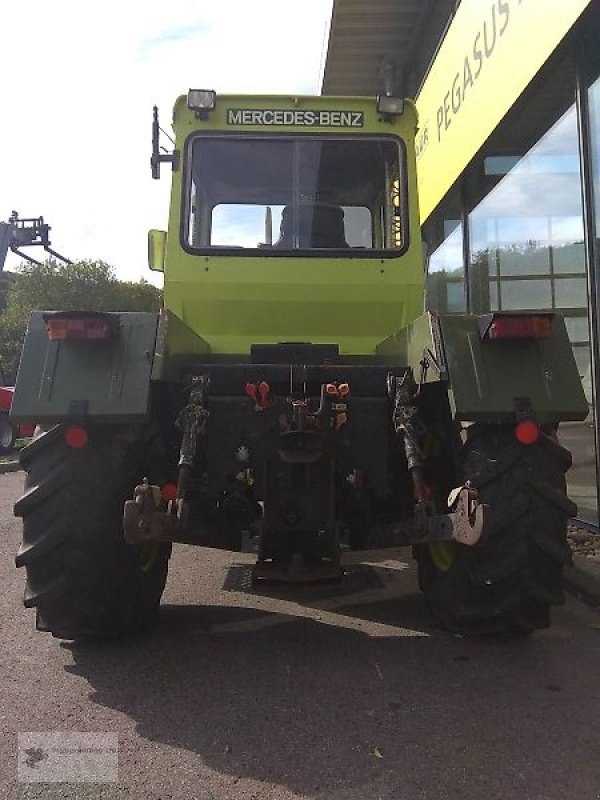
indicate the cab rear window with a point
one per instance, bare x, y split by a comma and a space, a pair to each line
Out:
306, 194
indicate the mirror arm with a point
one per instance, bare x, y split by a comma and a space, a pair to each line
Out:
157, 157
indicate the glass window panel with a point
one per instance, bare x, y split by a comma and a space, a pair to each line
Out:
530, 223
526, 229
455, 296
570, 293
554, 163
494, 302
482, 233
443, 233
566, 229
445, 279
357, 221
491, 255
533, 294
329, 193
499, 165
481, 272
448, 256
526, 259
577, 328
450, 225
236, 225
568, 258
526, 220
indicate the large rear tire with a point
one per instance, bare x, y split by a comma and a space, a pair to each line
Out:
507, 583
82, 577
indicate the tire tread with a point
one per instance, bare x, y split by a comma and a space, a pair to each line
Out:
82, 577
507, 583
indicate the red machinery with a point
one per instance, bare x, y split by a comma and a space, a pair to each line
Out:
10, 431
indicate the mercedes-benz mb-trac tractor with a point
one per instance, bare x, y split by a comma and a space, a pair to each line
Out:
293, 399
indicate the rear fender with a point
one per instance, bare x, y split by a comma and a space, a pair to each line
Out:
97, 381
488, 380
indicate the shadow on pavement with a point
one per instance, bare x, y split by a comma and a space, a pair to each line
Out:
305, 702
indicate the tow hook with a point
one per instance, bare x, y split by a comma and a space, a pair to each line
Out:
145, 521
145, 517
138, 513
467, 513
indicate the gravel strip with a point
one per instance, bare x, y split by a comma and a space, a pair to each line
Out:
582, 579
584, 542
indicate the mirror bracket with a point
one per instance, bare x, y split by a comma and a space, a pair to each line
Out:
157, 158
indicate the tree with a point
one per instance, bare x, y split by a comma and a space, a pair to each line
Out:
82, 286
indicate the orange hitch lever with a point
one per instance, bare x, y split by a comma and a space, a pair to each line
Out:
264, 391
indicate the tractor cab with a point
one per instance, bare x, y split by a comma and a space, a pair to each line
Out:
305, 206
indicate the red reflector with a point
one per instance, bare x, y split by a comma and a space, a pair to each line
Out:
520, 328
76, 437
168, 492
81, 328
527, 432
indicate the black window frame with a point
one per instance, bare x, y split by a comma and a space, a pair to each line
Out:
261, 252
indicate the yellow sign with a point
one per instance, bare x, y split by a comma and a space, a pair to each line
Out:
491, 52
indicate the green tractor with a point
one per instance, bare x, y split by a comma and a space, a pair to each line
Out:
292, 398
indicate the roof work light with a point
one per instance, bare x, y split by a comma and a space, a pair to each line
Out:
201, 100
388, 105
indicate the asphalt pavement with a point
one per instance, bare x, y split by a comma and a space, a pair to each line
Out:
345, 693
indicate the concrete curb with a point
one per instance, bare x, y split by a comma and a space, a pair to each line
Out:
583, 580
10, 466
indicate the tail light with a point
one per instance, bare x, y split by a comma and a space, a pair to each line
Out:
527, 431
76, 437
78, 328
520, 327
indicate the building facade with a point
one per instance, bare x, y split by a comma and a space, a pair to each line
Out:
508, 149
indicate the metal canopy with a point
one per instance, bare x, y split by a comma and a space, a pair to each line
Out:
366, 34
363, 36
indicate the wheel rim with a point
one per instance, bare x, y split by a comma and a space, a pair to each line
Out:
6, 434
147, 555
442, 554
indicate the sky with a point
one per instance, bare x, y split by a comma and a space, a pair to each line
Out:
79, 80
